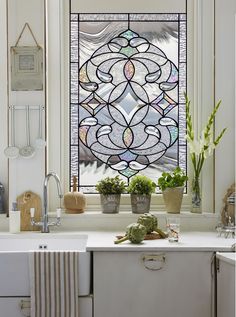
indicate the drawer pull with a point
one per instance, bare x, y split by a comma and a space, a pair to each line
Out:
25, 307
154, 262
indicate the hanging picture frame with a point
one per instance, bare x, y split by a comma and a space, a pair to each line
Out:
26, 66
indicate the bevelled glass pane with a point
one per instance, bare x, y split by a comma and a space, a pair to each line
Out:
182, 124
128, 78
74, 41
155, 17
74, 124
182, 82
183, 157
74, 17
74, 82
103, 16
182, 44
74, 158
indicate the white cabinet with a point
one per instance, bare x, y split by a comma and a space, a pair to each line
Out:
226, 285
15, 285
138, 284
14, 274
14, 306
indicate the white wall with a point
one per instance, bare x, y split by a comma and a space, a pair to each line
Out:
55, 96
3, 97
24, 174
225, 90
29, 174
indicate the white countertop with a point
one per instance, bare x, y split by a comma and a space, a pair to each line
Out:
228, 257
104, 241
189, 241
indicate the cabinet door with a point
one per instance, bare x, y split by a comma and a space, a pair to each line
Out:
14, 306
19, 283
20, 306
225, 290
139, 284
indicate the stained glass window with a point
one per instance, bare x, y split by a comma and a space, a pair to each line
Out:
127, 106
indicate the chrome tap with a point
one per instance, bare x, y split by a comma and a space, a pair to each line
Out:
44, 223
228, 231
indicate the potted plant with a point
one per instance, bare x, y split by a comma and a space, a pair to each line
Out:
172, 187
110, 190
140, 188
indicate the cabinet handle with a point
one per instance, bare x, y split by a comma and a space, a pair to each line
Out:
154, 262
25, 307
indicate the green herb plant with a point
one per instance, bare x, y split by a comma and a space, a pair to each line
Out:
141, 185
111, 185
175, 179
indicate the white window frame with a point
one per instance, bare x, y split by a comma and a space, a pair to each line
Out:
200, 60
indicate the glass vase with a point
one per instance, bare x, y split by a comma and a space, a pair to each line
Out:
196, 195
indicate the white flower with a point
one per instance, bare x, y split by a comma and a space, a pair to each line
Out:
209, 151
200, 145
194, 146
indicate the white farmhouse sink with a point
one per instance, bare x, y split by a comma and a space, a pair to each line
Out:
14, 262
36, 241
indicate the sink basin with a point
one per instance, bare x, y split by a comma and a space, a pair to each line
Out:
18, 243
14, 261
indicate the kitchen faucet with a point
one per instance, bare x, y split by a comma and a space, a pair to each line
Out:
44, 223
227, 226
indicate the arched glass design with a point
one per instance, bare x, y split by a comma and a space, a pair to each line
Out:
127, 112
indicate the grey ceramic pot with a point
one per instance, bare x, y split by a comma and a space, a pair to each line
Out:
140, 204
110, 203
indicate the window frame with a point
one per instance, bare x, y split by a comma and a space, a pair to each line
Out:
200, 61
180, 63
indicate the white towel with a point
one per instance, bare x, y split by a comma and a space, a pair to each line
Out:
54, 283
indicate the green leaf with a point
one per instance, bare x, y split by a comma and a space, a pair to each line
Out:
141, 184
175, 179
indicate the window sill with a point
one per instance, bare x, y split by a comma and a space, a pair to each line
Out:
90, 221
116, 222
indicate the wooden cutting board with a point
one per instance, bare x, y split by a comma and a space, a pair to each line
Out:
26, 201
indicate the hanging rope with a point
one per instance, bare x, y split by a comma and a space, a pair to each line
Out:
26, 25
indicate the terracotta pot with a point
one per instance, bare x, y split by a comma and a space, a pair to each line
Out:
140, 204
110, 203
173, 199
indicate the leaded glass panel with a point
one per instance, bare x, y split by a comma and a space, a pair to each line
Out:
128, 78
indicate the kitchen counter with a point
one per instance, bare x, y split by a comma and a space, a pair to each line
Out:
228, 257
189, 241
104, 241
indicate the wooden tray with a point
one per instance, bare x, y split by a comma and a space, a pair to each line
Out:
150, 236
26, 201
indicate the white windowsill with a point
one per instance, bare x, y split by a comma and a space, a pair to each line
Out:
113, 222
117, 222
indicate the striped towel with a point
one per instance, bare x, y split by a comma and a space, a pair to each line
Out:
54, 283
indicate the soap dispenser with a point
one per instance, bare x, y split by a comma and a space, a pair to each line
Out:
74, 202
14, 219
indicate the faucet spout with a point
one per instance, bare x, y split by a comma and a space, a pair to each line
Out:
45, 224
